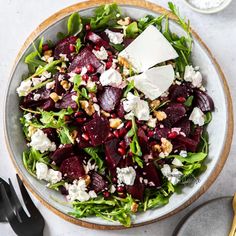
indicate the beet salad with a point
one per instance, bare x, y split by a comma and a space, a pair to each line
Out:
115, 113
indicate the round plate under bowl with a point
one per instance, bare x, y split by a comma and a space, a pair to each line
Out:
214, 80
211, 218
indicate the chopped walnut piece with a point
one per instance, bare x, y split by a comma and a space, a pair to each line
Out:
124, 22
166, 146
87, 179
48, 53
155, 104
65, 84
123, 62
115, 123
54, 96
160, 115
74, 134
88, 107
106, 114
134, 207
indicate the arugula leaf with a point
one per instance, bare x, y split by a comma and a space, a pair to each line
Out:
74, 24
64, 135
144, 22
204, 145
33, 61
132, 30
93, 152
208, 117
78, 45
191, 158
189, 101
128, 88
56, 185
118, 47
77, 82
105, 16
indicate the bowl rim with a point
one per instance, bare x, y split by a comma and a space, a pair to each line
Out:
157, 9
214, 10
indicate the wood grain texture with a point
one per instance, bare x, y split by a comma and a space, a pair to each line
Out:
155, 8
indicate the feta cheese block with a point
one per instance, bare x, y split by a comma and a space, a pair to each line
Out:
155, 81
148, 49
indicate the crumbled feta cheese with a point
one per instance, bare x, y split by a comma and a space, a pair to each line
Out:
63, 57
197, 117
114, 37
152, 122
126, 175
53, 176
92, 194
111, 77
88, 167
28, 116
112, 189
101, 54
177, 162
83, 71
50, 85
97, 108
136, 107
91, 85
41, 142
41, 171
77, 191
74, 98
47, 74
36, 96
38, 80
24, 88
195, 77
183, 153
173, 176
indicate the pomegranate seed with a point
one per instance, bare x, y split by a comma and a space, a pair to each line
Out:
45, 47
114, 180
72, 48
122, 144
85, 77
78, 114
110, 59
88, 27
122, 132
110, 136
181, 99
97, 48
172, 135
128, 124
85, 136
113, 115
150, 133
121, 151
120, 189
109, 53
106, 194
94, 78
108, 65
116, 133
122, 195
78, 70
90, 69
80, 120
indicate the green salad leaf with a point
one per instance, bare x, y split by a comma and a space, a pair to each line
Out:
74, 24
132, 30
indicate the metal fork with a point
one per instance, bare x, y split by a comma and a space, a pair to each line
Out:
21, 223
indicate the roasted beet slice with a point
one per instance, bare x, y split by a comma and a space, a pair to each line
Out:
127, 41
67, 101
203, 101
59, 90
197, 134
174, 112
120, 110
62, 153
98, 130
112, 156
183, 90
136, 190
52, 134
185, 125
82, 143
63, 47
109, 98
143, 140
161, 133
48, 105
188, 143
97, 40
151, 173
98, 182
72, 168
84, 58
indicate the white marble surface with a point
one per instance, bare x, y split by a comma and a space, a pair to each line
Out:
18, 18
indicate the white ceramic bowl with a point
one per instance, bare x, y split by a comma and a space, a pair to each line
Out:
221, 7
220, 129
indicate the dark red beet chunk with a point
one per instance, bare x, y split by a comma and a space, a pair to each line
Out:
174, 112
137, 190
84, 58
190, 144
161, 133
151, 173
143, 140
59, 90
98, 130
203, 101
48, 105
197, 134
127, 41
112, 156
73, 168
97, 40
52, 134
62, 153
176, 91
98, 182
82, 143
67, 101
185, 126
120, 110
63, 47
109, 98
